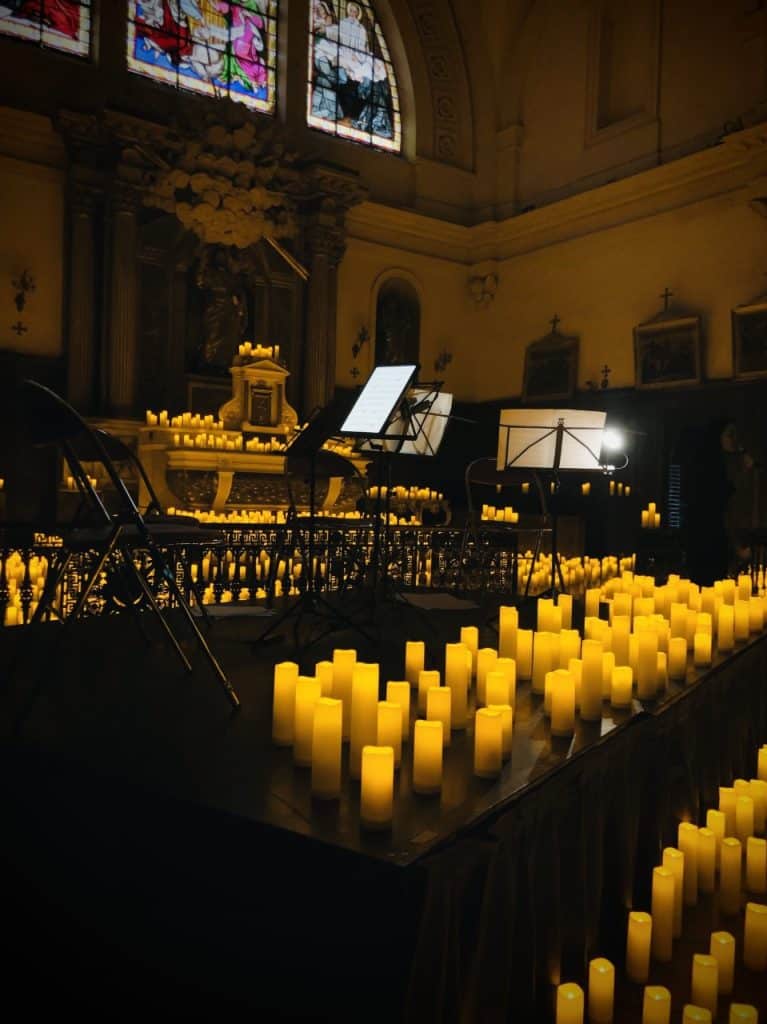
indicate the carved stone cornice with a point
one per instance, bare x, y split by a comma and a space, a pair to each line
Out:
327, 240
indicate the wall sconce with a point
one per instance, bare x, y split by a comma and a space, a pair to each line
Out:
443, 360
604, 382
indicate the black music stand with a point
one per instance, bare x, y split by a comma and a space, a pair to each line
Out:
303, 457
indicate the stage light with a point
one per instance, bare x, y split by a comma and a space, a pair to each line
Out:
613, 439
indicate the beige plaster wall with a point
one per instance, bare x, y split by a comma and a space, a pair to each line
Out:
32, 218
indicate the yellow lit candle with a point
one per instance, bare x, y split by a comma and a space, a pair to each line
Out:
743, 1013
727, 800
486, 659
758, 789
742, 620
323, 671
725, 634
608, 664
647, 665
744, 818
389, 728
621, 626
677, 657
706, 860
284, 707
687, 842
377, 787
569, 1004
497, 688
717, 822
545, 659
508, 624
427, 757
415, 652
704, 989
730, 876
399, 693
438, 701
507, 719
509, 668
488, 743
755, 937
364, 720
638, 938
575, 668
525, 653
662, 913
343, 670
470, 637
756, 864
601, 990
722, 948
702, 649
622, 686
569, 646
662, 670
426, 679
326, 748
656, 1005
458, 680
562, 703
692, 1014
591, 680
307, 694
755, 614
761, 770
565, 604
592, 599
673, 859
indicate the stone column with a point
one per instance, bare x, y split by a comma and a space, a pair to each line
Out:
123, 296
81, 349
325, 247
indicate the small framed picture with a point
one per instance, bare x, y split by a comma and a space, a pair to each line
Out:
749, 339
551, 368
667, 353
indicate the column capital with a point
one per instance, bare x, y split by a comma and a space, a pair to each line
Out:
327, 240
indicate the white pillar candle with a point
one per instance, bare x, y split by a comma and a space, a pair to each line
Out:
755, 614
717, 822
488, 743
389, 728
438, 701
592, 599
727, 807
569, 646
741, 620
415, 652
692, 1014
706, 860
509, 668
662, 670
730, 876
743, 1013
525, 656
376, 786
470, 637
562, 703
601, 990
722, 948
647, 665
591, 680
343, 670
725, 636
702, 650
758, 789
608, 664
307, 694
544, 609
569, 1004
704, 986
398, 692
761, 768
426, 679
364, 716
755, 937
656, 1005
327, 734
575, 668
673, 859
458, 680
621, 627
756, 864
486, 659
622, 687
677, 658
497, 688
323, 671
284, 706
545, 655
687, 842
507, 719
508, 624
565, 605
638, 937
744, 818
427, 757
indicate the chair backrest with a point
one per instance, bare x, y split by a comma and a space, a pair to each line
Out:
118, 451
53, 421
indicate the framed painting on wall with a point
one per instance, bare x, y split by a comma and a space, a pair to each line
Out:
749, 339
551, 368
667, 352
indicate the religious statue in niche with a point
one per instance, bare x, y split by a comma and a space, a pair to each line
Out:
221, 276
398, 323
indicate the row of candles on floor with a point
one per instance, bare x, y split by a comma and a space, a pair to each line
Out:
688, 869
400, 492
17, 572
570, 673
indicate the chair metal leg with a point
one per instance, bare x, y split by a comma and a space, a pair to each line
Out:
156, 609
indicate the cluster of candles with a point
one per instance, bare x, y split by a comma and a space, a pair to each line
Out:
577, 573
250, 351
617, 489
650, 518
703, 859
185, 419
500, 515
254, 517
72, 486
17, 570
402, 493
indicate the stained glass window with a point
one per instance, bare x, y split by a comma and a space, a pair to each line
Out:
207, 46
352, 91
60, 24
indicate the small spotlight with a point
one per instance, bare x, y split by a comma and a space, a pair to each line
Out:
612, 439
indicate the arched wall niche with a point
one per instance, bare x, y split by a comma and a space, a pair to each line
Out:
385, 280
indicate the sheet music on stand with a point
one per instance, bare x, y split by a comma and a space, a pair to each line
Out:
419, 431
378, 400
528, 438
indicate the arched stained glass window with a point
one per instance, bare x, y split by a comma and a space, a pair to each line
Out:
59, 24
352, 91
212, 47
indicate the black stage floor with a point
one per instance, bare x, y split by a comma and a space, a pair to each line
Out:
161, 854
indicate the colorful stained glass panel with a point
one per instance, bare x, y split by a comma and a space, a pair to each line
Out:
59, 24
352, 91
212, 47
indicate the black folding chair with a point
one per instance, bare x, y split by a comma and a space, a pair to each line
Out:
116, 538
